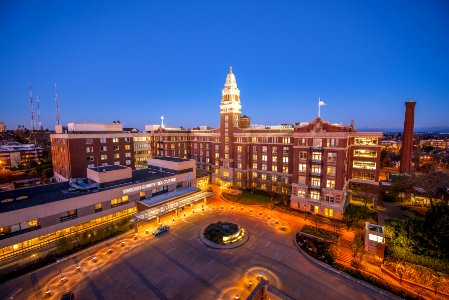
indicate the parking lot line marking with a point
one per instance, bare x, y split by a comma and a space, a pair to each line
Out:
144, 279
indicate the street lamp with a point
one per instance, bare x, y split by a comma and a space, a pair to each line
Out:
123, 243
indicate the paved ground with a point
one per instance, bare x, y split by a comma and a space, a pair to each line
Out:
178, 266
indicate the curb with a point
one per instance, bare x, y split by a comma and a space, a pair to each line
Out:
94, 247
222, 247
347, 276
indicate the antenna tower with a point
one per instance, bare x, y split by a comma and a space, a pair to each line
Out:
32, 109
39, 123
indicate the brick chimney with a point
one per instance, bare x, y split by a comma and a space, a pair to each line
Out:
407, 137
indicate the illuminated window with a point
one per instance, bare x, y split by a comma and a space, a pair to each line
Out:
238, 175
285, 169
363, 176
331, 171
254, 174
365, 153
89, 149
317, 142
366, 141
263, 186
302, 168
264, 176
316, 169
103, 148
330, 184
329, 212
274, 150
116, 155
364, 165
98, 207
264, 167
316, 156
285, 159
301, 193
127, 147
315, 181
115, 140
254, 165
239, 148
264, 158
332, 157
225, 173
264, 149
315, 195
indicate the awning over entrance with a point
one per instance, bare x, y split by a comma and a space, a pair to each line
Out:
169, 206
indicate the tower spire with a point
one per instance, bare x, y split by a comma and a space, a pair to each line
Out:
230, 70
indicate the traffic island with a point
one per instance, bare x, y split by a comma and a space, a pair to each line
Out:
223, 235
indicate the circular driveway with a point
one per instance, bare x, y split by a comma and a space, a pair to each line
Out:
177, 265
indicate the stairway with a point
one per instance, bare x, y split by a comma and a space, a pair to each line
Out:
345, 253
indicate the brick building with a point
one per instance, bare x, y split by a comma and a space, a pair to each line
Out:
315, 163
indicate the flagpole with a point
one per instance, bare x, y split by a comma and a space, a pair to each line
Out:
319, 107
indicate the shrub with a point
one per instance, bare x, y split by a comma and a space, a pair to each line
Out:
215, 231
320, 232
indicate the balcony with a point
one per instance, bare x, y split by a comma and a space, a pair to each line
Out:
316, 161
315, 174
315, 187
316, 148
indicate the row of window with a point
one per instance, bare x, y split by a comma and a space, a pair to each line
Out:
90, 141
19, 227
316, 169
90, 149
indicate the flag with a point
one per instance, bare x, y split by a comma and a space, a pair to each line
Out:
321, 102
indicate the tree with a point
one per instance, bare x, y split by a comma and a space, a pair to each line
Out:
432, 183
367, 193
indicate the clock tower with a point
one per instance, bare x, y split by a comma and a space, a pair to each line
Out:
230, 111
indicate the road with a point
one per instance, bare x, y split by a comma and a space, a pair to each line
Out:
177, 265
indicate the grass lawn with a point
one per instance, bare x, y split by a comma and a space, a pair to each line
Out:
247, 198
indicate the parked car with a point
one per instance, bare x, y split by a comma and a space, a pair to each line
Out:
161, 229
68, 296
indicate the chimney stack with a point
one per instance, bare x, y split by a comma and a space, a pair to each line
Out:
407, 137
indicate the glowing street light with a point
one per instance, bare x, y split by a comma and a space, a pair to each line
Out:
78, 268
282, 227
236, 296
123, 244
62, 278
146, 231
110, 251
48, 292
135, 236
250, 283
94, 258
277, 221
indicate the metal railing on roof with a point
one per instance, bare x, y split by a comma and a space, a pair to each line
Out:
167, 207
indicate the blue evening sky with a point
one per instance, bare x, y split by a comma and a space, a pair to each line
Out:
135, 61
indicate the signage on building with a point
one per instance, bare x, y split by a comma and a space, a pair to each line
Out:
149, 185
375, 238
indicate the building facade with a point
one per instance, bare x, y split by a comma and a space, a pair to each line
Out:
314, 163
36, 218
13, 154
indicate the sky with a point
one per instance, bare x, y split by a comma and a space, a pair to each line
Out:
134, 61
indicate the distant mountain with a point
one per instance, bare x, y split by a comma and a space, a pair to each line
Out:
433, 130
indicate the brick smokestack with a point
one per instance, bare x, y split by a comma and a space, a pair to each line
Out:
407, 138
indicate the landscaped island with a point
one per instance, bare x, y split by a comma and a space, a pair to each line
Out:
223, 233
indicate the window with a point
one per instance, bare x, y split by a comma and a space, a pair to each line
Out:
365, 153
363, 176
317, 142
98, 207
127, 147
116, 163
116, 147
239, 148
128, 154
274, 168
226, 173
128, 162
90, 158
316, 169
263, 186
330, 199
264, 149
274, 150
275, 159
127, 139
116, 155
264, 158
89, 149
91, 166
330, 171
331, 142
264, 176
364, 165
285, 169
332, 157
366, 141
238, 175
316, 156
285, 159
142, 195
119, 201
103, 148
315, 195
315, 181
104, 157
301, 193
302, 168
330, 183
239, 165
89, 141
255, 149
115, 140
254, 165
264, 167
302, 155
103, 140
254, 175
329, 212
68, 215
